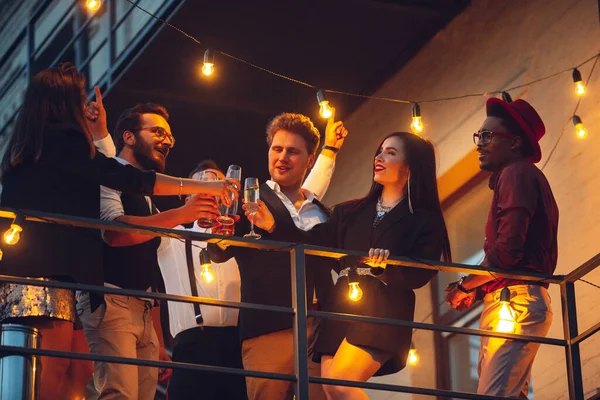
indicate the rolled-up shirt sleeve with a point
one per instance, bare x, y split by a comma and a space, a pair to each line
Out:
111, 206
517, 197
106, 146
319, 178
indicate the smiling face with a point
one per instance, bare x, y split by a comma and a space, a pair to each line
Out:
152, 142
390, 166
288, 158
501, 149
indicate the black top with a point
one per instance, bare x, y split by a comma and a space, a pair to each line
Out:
133, 267
65, 180
266, 275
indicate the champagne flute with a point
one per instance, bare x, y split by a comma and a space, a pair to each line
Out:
228, 214
207, 223
251, 196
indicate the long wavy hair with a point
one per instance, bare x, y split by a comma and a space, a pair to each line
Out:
421, 190
55, 97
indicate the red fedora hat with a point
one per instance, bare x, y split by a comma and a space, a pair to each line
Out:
527, 118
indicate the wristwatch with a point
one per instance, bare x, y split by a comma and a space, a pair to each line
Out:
463, 289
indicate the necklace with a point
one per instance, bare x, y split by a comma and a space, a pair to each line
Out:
381, 209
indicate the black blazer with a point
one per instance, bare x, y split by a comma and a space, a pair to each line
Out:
420, 235
266, 275
64, 180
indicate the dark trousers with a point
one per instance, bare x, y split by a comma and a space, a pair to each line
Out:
219, 346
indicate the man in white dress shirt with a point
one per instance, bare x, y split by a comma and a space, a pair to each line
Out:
267, 339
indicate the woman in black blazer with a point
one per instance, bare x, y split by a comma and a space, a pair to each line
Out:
52, 165
400, 216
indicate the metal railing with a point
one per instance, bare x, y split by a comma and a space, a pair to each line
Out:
571, 342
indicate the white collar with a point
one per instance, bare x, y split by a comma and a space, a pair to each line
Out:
310, 196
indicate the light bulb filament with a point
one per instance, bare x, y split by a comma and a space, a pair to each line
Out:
579, 88
417, 125
581, 131
12, 235
207, 274
325, 109
93, 5
413, 358
208, 68
355, 293
506, 323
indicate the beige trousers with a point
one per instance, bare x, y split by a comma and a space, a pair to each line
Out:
505, 365
123, 327
274, 352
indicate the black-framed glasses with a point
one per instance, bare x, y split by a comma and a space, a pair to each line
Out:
485, 136
161, 133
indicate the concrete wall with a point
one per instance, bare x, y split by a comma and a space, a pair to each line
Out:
493, 45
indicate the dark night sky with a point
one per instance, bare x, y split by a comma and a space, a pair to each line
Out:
349, 45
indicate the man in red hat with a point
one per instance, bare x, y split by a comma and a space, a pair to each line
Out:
521, 235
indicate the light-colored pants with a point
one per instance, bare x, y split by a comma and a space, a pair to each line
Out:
122, 327
505, 365
274, 352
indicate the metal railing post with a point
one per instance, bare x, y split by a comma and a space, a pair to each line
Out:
572, 354
300, 314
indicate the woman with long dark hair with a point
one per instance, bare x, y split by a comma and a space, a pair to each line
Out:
52, 165
399, 216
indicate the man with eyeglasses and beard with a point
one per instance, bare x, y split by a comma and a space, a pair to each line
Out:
121, 325
521, 235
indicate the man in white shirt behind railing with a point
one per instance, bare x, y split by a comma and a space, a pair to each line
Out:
216, 339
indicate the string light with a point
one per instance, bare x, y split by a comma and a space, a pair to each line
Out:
1, 254
355, 293
93, 5
506, 324
13, 234
579, 128
413, 357
417, 124
209, 62
206, 272
324, 107
579, 86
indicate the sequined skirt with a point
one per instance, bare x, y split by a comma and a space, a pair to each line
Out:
17, 301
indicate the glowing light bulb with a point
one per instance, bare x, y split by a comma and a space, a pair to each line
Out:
1, 254
579, 86
206, 271
417, 123
207, 274
93, 5
580, 130
506, 323
413, 358
355, 293
209, 62
13, 234
324, 108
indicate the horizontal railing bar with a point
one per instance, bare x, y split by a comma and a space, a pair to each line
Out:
439, 266
39, 216
584, 269
17, 350
404, 389
583, 336
437, 328
143, 294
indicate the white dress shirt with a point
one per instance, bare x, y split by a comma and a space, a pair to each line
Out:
106, 146
226, 286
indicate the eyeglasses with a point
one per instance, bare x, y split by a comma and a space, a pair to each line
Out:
161, 134
485, 136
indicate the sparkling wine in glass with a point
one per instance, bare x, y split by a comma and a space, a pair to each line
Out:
227, 218
207, 223
251, 196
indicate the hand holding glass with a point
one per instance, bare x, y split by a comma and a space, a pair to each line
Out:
228, 214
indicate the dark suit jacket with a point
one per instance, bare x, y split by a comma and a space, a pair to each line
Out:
64, 180
266, 275
419, 235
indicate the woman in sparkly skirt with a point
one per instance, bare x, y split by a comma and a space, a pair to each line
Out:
400, 216
52, 165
